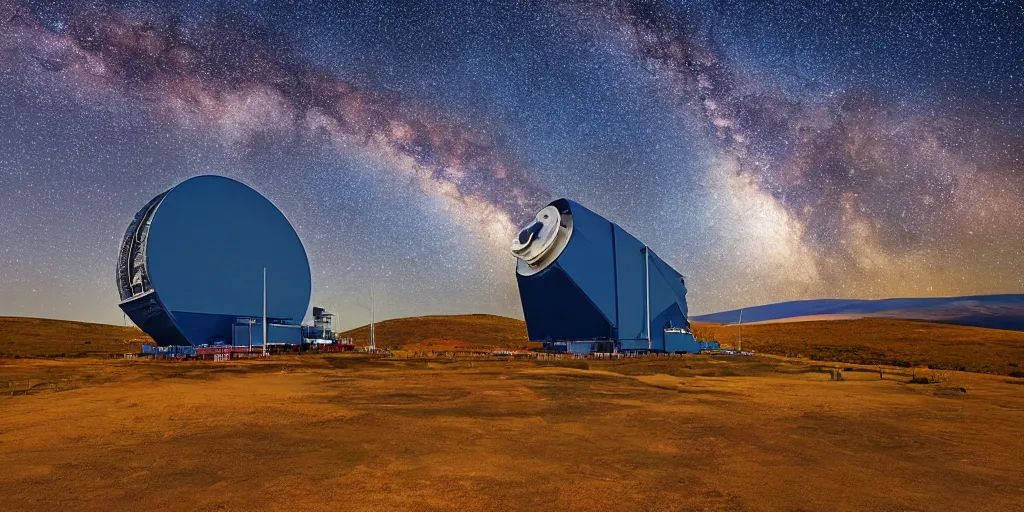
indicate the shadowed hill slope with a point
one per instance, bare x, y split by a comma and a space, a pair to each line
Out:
40, 337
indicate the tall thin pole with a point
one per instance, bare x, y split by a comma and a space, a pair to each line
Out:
373, 344
264, 310
647, 283
740, 330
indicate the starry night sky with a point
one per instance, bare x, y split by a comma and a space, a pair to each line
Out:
768, 151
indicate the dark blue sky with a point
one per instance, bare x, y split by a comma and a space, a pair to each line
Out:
768, 151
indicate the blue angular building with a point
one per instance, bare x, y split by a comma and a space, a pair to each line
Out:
205, 262
587, 285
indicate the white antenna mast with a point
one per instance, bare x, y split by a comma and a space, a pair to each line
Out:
739, 328
647, 283
373, 344
264, 310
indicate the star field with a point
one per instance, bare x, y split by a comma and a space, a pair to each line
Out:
768, 152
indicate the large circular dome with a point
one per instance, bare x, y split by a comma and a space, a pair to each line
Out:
192, 263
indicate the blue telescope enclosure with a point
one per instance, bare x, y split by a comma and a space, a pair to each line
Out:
587, 285
191, 267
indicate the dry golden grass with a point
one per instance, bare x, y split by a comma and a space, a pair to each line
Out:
482, 331
862, 341
342, 432
882, 341
38, 337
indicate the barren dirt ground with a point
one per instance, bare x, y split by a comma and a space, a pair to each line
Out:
349, 433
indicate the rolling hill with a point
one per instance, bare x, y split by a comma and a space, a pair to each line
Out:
40, 337
885, 341
860, 341
992, 311
441, 332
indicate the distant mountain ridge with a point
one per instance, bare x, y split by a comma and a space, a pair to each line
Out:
992, 311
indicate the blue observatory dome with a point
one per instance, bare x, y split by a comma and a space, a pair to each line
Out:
589, 286
191, 266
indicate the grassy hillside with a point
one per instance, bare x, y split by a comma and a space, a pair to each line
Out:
445, 332
38, 337
860, 341
882, 341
